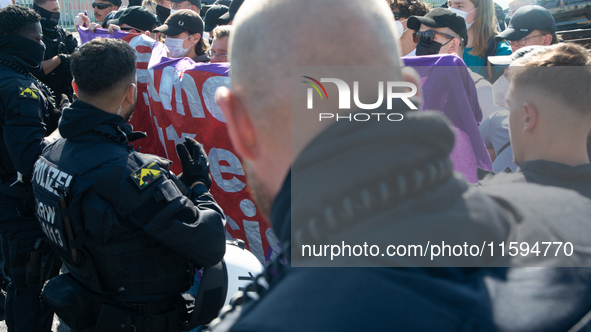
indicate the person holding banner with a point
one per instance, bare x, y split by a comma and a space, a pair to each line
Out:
184, 31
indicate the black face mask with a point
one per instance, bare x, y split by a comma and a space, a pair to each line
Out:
428, 48
48, 19
26, 52
162, 13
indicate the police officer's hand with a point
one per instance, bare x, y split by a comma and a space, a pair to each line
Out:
194, 161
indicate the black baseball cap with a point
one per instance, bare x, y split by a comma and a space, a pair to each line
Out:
527, 19
212, 17
137, 17
234, 6
197, 3
116, 3
181, 21
440, 18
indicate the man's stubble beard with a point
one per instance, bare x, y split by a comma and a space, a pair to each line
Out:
261, 195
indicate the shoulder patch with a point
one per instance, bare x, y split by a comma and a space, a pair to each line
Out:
28, 93
146, 175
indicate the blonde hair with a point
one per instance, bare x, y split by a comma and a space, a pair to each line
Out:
484, 27
567, 75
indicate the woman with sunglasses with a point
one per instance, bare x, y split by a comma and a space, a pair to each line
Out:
481, 23
402, 10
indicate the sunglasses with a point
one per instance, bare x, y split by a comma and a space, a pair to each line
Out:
132, 29
429, 36
101, 5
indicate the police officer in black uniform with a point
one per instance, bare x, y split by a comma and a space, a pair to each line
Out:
59, 45
25, 109
128, 230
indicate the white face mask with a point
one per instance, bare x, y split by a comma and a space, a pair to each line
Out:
499, 90
400, 28
175, 46
464, 15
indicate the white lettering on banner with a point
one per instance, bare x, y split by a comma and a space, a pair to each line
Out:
209, 88
164, 94
248, 208
143, 75
161, 136
253, 235
233, 225
233, 185
171, 135
190, 88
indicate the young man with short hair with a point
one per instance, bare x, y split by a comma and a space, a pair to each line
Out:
549, 118
530, 25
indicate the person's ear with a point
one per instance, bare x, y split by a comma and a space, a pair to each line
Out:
130, 94
530, 117
455, 44
196, 37
240, 126
75, 86
547, 40
148, 33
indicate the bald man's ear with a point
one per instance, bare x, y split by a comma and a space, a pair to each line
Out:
238, 122
530, 117
410, 75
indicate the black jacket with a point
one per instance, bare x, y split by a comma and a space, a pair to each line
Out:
25, 108
401, 299
137, 226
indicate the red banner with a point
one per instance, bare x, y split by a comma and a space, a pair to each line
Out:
176, 99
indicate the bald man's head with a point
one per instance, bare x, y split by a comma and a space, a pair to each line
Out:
271, 36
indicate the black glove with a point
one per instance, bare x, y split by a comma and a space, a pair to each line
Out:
65, 60
194, 162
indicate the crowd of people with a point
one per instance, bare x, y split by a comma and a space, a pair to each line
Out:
109, 238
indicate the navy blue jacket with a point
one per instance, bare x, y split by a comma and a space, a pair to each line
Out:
129, 213
24, 111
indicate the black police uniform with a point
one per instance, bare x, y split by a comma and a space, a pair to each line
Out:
133, 233
25, 110
57, 42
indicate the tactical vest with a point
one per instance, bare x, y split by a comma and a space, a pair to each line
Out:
114, 256
13, 76
60, 79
